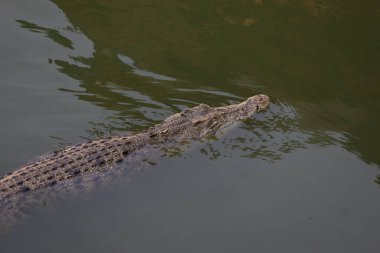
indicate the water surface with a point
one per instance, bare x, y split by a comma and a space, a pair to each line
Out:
300, 177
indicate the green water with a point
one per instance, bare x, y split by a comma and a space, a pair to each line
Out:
300, 177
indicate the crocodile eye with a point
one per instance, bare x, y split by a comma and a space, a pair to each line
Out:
165, 131
198, 121
153, 135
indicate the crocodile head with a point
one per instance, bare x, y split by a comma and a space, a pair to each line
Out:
255, 104
207, 120
262, 101
204, 120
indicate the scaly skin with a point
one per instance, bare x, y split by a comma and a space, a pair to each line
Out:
98, 155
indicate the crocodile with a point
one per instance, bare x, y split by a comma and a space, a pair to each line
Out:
99, 155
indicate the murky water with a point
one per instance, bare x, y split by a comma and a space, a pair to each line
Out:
300, 177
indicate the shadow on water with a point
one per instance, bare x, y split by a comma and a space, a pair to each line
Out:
318, 56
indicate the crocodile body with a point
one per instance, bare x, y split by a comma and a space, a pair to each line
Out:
97, 155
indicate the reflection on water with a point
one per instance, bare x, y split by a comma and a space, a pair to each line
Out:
298, 60
327, 101
50, 33
312, 154
141, 72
